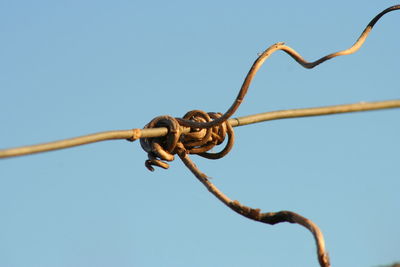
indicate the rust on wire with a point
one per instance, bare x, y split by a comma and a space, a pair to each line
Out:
195, 141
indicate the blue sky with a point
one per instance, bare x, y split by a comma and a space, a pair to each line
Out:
71, 68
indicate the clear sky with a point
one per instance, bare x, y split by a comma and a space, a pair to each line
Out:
70, 68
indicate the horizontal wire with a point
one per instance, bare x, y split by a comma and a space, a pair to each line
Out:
317, 111
134, 134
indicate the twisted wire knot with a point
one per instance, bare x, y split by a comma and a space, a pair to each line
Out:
197, 141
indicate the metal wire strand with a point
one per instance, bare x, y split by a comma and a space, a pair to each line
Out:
135, 134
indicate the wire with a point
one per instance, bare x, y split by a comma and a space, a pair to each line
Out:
134, 134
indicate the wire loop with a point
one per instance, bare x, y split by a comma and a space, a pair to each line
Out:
161, 148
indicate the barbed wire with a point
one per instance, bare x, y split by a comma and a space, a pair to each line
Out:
197, 132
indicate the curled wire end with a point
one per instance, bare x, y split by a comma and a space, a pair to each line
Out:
154, 162
161, 149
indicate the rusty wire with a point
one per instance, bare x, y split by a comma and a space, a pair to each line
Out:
196, 141
197, 132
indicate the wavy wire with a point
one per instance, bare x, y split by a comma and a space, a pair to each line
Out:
296, 56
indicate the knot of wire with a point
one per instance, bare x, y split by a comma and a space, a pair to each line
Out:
198, 140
